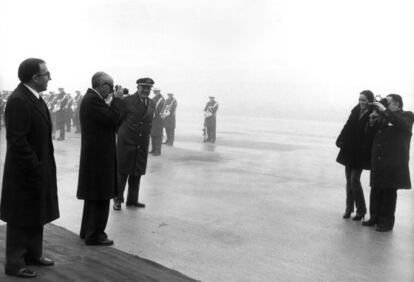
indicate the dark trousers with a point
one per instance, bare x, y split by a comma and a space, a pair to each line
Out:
382, 206
156, 141
354, 192
22, 243
61, 127
170, 135
68, 124
94, 220
133, 187
211, 133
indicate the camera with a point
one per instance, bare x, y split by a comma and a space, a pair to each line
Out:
381, 100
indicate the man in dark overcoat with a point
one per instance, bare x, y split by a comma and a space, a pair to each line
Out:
168, 114
99, 115
392, 129
133, 142
29, 197
157, 123
210, 113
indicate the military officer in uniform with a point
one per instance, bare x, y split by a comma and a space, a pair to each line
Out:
210, 112
157, 123
133, 142
168, 114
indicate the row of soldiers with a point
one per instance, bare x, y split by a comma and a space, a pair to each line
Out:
64, 112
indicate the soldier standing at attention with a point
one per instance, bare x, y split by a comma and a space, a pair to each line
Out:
210, 112
157, 123
168, 114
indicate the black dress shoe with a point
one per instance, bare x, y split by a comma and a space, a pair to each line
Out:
22, 272
137, 205
105, 242
383, 229
347, 215
117, 205
369, 222
42, 261
358, 217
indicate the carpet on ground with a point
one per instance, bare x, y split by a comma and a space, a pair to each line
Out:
77, 262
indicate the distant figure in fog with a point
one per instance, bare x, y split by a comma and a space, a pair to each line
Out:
392, 129
29, 197
168, 114
69, 112
76, 106
157, 123
60, 113
355, 154
210, 112
97, 185
133, 142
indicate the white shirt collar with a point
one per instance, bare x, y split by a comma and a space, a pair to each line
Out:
32, 90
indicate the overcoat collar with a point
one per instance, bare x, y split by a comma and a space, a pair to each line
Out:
39, 104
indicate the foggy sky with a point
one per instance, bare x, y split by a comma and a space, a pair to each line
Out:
296, 59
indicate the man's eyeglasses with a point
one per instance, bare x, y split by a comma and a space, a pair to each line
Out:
111, 86
44, 74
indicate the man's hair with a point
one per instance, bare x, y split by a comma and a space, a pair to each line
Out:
369, 95
397, 98
98, 79
28, 68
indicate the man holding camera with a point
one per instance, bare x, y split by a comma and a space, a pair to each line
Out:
392, 130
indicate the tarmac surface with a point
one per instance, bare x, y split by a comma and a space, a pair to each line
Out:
255, 206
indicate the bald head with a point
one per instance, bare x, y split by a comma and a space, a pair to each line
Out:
100, 78
103, 83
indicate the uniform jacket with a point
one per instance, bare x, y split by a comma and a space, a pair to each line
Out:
169, 121
391, 151
211, 107
61, 103
133, 135
97, 168
157, 121
354, 142
29, 195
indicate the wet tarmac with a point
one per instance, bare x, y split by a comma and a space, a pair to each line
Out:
255, 206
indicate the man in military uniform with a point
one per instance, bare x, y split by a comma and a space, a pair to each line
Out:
76, 106
133, 142
168, 114
392, 129
157, 123
69, 112
60, 113
210, 112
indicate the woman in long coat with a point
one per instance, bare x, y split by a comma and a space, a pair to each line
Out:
354, 154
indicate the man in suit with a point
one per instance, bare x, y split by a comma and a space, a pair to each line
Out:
157, 123
133, 142
210, 112
29, 196
168, 113
392, 129
99, 115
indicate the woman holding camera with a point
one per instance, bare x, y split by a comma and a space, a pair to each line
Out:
355, 154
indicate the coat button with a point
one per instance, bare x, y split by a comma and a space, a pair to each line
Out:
379, 158
140, 134
138, 147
